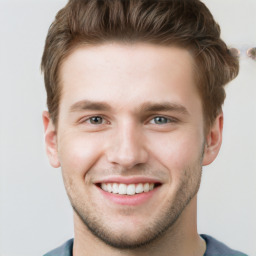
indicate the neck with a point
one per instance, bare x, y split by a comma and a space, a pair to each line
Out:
179, 240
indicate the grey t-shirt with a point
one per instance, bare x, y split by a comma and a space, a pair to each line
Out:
213, 248
216, 248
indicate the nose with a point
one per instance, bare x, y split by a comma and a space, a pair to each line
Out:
127, 147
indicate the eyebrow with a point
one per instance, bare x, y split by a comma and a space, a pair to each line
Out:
89, 105
164, 107
146, 107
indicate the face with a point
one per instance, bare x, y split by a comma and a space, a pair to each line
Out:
130, 139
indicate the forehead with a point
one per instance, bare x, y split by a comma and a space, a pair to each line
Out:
128, 74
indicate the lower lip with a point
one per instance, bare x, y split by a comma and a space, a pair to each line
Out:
132, 200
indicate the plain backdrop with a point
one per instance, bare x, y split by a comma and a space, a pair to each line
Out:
35, 215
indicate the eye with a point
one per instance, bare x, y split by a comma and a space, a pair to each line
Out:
95, 120
161, 120
94, 123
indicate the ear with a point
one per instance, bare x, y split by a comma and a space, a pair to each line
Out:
213, 140
50, 140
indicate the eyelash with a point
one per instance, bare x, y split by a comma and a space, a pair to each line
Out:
87, 120
167, 119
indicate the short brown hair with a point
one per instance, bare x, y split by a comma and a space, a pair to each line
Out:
183, 23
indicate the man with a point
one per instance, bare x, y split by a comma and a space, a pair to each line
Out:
134, 93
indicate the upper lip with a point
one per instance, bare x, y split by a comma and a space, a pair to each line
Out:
127, 180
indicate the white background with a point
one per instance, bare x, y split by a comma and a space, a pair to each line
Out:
35, 215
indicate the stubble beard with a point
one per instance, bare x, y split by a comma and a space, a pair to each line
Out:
156, 228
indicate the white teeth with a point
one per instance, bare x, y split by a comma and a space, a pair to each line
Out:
122, 189
109, 188
130, 189
104, 186
115, 188
146, 187
139, 188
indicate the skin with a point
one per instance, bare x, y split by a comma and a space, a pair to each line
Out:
132, 83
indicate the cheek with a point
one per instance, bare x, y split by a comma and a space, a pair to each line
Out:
177, 151
78, 152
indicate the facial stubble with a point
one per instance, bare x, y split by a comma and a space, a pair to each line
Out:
155, 228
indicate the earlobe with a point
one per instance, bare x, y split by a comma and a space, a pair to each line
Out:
50, 140
213, 140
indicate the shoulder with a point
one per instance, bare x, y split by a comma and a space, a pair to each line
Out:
63, 250
217, 248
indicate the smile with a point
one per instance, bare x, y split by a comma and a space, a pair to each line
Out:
127, 189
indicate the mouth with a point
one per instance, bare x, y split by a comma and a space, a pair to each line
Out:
128, 189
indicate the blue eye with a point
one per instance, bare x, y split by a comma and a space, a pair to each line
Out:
160, 120
95, 120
